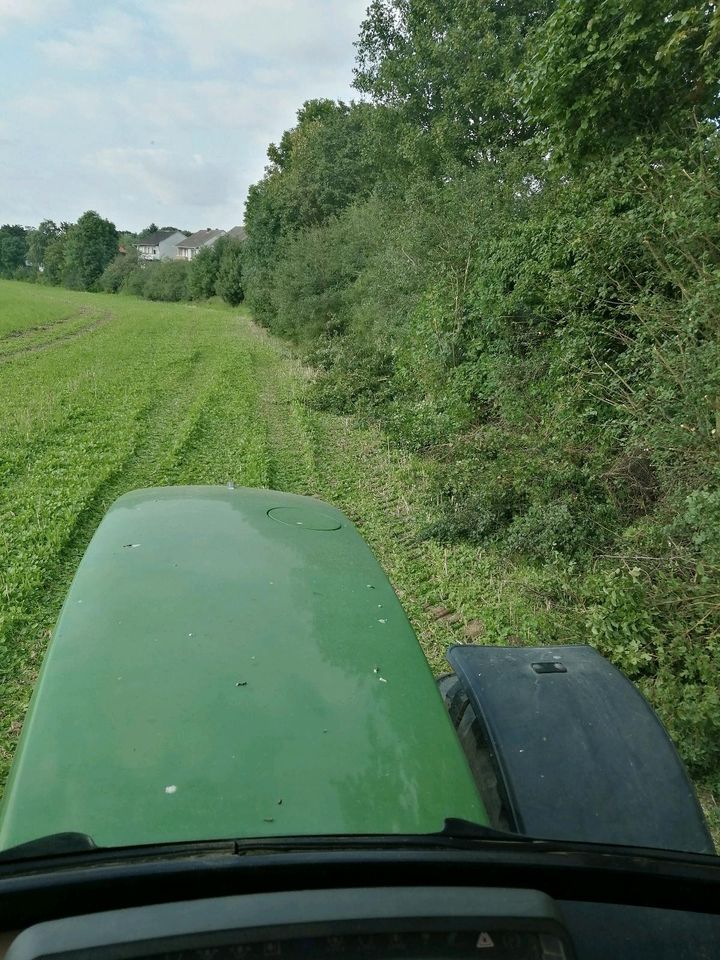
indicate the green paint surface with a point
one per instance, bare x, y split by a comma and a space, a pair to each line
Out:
215, 673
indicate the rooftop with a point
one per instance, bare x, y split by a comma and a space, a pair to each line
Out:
201, 237
153, 239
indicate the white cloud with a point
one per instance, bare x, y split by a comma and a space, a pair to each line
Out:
14, 12
62, 105
115, 35
170, 180
172, 107
317, 32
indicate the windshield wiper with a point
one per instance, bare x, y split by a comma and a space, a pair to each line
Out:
457, 829
55, 844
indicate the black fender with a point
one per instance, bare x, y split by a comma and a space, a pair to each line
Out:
564, 747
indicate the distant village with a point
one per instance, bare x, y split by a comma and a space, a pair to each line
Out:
171, 244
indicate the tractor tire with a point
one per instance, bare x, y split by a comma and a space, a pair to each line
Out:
477, 752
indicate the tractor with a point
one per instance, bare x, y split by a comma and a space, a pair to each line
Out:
236, 748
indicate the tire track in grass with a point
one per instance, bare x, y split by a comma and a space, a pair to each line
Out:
291, 442
39, 327
37, 344
228, 442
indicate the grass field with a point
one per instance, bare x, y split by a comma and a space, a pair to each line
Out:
103, 394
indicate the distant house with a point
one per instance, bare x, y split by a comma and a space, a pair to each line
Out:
190, 246
237, 233
160, 245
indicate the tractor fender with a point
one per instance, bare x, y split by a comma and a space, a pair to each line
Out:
564, 747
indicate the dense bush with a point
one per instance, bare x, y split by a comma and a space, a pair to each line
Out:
166, 280
215, 270
117, 272
203, 273
13, 249
91, 255
229, 279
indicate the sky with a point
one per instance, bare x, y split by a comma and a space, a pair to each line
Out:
159, 110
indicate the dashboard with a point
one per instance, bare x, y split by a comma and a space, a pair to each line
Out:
447, 923
375, 923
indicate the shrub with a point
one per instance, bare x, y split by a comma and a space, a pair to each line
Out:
134, 282
202, 273
166, 280
117, 272
229, 280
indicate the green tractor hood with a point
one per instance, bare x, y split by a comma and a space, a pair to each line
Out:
232, 663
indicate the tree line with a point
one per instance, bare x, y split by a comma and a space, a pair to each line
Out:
508, 254
93, 255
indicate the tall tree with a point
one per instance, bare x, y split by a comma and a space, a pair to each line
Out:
229, 282
39, 239
151, 228
13, 248
91, 245
322, 165
54, 257
447, 66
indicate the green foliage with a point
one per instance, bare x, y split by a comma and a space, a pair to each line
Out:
229, 280
203, 272
322, 164
150, 229
351, 375
90, 246
446, 65
333, 157
72, 253
134, 282
54, 259
603, 73
13, 249
118, 271
165, 280
39, 240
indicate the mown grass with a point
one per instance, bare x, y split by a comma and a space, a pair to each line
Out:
179, 393
20, 311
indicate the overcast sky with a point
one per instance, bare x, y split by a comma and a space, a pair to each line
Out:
159, 110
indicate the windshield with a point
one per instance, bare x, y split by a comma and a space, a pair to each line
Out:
358, 422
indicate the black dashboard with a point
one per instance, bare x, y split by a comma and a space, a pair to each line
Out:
375, 923
456, 923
